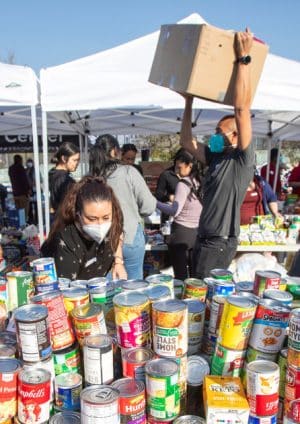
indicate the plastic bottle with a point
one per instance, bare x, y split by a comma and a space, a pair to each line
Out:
293, 234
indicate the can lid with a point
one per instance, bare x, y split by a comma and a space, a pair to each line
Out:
262, 367
223, 274
195, 282
170, 305
157, 292
209, 281
98, 341
267, 274
130, 299
189, 419
19, 274
98, 280
79, 283
277, 294
159, 278
31, 313
194, 305
42, 261
8, 365
128, 387
65, 417
249, 295
99, 395
274, 305
242, 302
8, 337
295, 313
45, 296
135, 284
88, 310
34, 375
161, 367
284, 352
137, 355
7, 351
244, 286
74, 292
68, 379
197, 369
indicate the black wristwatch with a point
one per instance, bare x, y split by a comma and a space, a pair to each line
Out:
245, 60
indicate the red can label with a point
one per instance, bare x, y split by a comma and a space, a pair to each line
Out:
33, 402
8, 395
264, 281
292, 387
262, 393
133, 409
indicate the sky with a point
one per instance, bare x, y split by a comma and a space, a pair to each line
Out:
51, 32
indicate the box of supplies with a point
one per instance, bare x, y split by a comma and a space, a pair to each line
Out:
200, 60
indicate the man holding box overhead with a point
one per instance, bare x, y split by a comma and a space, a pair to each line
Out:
230, 160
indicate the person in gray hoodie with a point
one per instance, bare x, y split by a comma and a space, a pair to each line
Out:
133, 195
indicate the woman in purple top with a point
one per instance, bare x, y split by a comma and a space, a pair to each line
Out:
186, 209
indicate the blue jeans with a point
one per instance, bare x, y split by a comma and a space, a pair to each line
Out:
133, 255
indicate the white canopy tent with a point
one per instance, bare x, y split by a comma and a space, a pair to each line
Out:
19, 88
109, 92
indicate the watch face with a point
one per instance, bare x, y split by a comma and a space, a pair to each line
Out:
245, 59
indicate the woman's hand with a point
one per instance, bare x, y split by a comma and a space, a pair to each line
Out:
119, 272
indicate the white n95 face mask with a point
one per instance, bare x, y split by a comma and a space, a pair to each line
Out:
97, 232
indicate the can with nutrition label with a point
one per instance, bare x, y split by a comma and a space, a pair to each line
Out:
9, 369
196, 314
216, 310
98, 359
132, 400
100, 404
88, 320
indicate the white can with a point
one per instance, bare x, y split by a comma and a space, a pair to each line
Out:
196, 312
100, 405
98, 359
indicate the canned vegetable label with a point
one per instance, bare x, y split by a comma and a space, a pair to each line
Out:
194, 288
227, 362
67, 360
20, 288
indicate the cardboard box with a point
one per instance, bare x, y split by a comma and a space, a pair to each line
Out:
200, 60
225, 400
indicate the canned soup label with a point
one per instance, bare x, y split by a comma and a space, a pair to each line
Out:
294, 334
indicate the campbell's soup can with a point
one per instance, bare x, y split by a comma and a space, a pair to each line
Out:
266, 280
74, 297
227, 362
61, 331
67, 391
20, 288
67, 360
194, 288
100, 404
9, 369
47, 365
132, 401
98, 359
34, 387
269, 326
294, 329
44, 271
196, 316
88, 320
162, 389
216, 310
262, 387
132, 316
134, 361
33, 332
236, 322
170, 328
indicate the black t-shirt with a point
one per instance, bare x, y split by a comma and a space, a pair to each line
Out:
76, 257
224, 187
59, 183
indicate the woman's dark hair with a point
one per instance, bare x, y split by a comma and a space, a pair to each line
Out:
128, 147
197, 169
88, 189
66, 150
101, 162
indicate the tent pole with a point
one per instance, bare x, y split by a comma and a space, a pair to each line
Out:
37, 172
81, 156
277, 166
46, 176
270, 135
86, 159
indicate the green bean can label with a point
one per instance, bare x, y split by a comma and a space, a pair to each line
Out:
227, 362
67, 360
20, 288
163, 397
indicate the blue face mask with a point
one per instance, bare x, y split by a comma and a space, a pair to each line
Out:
216, 143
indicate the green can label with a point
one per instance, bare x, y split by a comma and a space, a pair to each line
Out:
20, 288
227, 362
163, 396
282, 362
67, 362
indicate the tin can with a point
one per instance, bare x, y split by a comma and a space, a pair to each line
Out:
253, 419
132, 401
262, 387
283, 297
269, 327
42, 288
65, 417
61, 331
162, 388
223, 288
67, 360
47, 365
197, 369
194, 288
293, 357
293, 286
210, 282
79, 284
266, 280
189, 419
227, 362
67, 391
178, 288
236, 322
44, 271
244, 286
294, 411
292, 387
152, 420
88, 320
97, 282
170, 328
162, 280
134, 361
282, 362
74, 297
135, 285
157, 293
7, 351
9, 369
249, 295
294, 329
254, 355
132, 315
103, 295
20, 288
3, 304
216, 310
33, 333
221, 274
8, 338
280, 413
98, 359
196, 315
34, 387
100, 404
63, 283
209, 343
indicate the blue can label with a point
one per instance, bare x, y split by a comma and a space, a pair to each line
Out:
41, 288
68, 397
225, 289
44, 271
262, 420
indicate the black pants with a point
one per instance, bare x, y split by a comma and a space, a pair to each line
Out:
180, 246
211, 253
